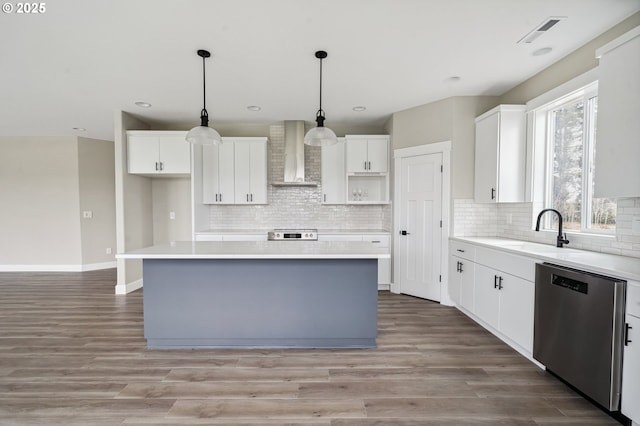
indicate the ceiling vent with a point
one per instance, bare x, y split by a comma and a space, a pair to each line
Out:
545, 26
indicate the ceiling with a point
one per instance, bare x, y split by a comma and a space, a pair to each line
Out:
80, 61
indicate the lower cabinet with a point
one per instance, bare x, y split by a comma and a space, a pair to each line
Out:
496, 289
505, 302
631, 360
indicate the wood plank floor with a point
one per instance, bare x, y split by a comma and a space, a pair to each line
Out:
73, 353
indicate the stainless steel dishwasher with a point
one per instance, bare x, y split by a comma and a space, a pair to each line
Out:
578, 330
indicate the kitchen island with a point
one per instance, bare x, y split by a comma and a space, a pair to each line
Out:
260, 294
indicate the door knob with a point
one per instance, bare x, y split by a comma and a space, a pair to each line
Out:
404, 233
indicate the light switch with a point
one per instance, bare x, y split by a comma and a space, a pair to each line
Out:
87, 214
172, 215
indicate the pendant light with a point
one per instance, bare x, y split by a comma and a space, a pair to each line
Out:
320, 135
203, 134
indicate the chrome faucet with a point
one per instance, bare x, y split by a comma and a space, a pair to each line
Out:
562, 238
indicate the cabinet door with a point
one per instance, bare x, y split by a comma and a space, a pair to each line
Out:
242, 173
217, 174
377, 155
487, 296
454, 279
486, 170
332, 164
175, 154
516, 310
631, 371
258, 174
356, 155
467, 285
143, 154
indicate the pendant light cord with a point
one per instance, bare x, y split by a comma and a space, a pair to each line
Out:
321, 84
204, 86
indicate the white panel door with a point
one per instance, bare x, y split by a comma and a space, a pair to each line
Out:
242, 172
333, 173
420, 238
143, 154
516, 310
258, 166
486, 172
356, 155
631, 370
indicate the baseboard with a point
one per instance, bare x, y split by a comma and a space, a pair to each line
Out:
128, 287
57, 268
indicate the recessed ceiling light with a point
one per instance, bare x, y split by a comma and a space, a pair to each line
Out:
453, 79
254, 108
79, 129
541, 51
359, 108
143, 104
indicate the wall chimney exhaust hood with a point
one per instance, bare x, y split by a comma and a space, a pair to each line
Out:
293, 155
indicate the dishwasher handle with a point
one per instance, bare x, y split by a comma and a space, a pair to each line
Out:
627, 327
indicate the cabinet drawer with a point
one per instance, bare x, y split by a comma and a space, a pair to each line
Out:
208, 237
511, 264
633, 299
379, 240
462, 250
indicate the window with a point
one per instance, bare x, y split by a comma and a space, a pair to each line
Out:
567, 137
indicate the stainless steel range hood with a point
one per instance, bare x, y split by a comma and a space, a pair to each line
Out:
293, 155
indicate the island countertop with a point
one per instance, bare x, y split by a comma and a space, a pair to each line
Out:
259, 250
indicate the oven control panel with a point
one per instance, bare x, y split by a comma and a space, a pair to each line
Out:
293, 235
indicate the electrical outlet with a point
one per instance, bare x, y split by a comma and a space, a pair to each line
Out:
172, 215
87, 214
108, 250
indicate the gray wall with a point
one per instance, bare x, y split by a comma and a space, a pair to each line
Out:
45, 184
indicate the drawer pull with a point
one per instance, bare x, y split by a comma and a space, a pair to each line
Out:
461, 251
627, 327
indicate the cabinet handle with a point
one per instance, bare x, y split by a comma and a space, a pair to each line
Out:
495, 281
251, 197
161, 166
369, 165
220, 197
627, 327
460, 250
247, 198
365, 165
497, 285
325, 198
156, 166
216, 198
375, 241
493, 193
457, 266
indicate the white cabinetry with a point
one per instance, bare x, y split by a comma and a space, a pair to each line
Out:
332, 165
158, 153
367, 162
618, 125
235, 172
250, 171
500, 155
382, 240
462, 275
631, 361
367, 154
497, 289
231, 236
218, 174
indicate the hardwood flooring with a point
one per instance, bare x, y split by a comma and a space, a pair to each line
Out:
73, 353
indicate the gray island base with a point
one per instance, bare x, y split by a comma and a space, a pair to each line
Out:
260, 303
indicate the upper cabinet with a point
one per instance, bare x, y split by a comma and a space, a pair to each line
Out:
500, 155
332, 169
158, 153
235, 172
617, 147
367, 154
367, 163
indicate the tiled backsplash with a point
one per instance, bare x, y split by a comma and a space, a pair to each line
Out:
296, 206
514, 220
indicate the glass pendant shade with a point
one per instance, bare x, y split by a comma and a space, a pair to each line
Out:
320, 136
203, 135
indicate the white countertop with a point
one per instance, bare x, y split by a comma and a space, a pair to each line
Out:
259, 250
623, 267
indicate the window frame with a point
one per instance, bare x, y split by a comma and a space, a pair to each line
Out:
584, 87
